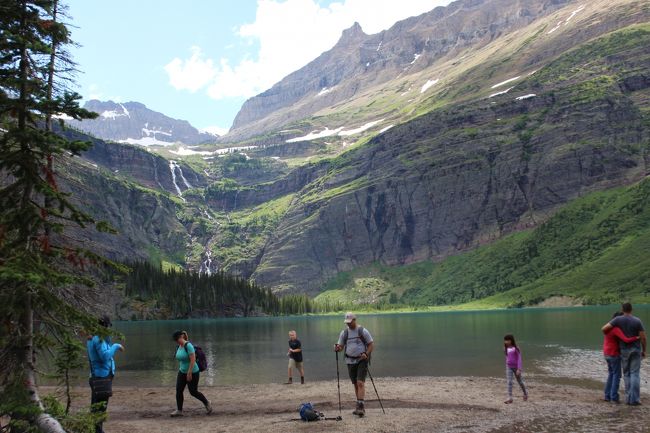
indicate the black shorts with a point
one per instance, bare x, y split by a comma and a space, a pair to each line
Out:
358, 371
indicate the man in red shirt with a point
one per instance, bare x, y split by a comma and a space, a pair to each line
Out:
613, 357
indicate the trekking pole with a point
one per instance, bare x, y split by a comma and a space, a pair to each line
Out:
373, 385
338, 381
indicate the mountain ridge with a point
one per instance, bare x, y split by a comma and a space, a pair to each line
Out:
134, 123
492, 139
408, 46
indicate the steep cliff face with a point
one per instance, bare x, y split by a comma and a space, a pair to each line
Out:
134, 123
359, 61
146, 221
463, 176
146, 168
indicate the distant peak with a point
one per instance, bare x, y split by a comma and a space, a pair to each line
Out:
352, 34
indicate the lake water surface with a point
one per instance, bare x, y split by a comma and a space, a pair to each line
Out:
556, 342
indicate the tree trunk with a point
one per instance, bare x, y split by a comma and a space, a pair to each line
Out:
43, 421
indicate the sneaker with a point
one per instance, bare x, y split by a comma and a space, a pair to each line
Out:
526, 397
208, 408
508, 401
176, 413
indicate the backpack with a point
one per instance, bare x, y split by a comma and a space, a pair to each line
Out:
201, 359
361, 337
308, 413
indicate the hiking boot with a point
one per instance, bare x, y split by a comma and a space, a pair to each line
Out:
359, 411
289, 382
208, 408
302, 380
176, 413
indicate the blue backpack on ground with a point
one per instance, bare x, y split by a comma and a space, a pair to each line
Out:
308, 413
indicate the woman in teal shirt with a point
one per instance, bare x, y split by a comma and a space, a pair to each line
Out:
188, 374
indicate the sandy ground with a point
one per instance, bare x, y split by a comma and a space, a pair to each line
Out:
421, 404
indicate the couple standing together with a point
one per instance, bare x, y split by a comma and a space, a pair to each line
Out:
624, 348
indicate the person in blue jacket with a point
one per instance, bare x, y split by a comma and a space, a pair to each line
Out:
101, 352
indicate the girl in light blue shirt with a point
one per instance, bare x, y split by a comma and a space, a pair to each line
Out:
188, 373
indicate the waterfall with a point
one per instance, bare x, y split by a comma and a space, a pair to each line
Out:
180, 171
155, 172
206, 265
172, 167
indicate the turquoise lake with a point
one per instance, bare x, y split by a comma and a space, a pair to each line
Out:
562, 342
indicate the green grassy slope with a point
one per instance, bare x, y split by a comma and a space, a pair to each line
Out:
596, 250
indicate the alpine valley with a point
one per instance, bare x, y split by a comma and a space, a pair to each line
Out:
490, 153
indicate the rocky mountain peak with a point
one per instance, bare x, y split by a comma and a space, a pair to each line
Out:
359, 61
134, 123
352, 35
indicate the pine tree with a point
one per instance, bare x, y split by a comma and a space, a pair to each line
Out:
42, 273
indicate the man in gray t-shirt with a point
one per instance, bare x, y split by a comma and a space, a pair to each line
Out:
358, 344
631, 353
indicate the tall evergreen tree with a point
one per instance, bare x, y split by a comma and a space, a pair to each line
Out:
42, 274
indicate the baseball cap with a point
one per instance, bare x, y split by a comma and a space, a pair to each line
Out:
349, 317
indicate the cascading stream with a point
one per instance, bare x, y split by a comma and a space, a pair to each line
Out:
206, 265
172, 168
180, 171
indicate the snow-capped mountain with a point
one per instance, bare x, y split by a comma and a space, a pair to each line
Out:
134, 123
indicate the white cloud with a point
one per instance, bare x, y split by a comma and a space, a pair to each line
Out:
191, 74
289, 33
215, 130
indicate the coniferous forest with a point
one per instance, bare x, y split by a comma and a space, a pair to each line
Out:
191, 294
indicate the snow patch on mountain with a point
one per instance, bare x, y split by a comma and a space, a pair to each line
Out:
501, 92
63, 117
428, 85
555, 28
325, 91
360, 129
509, 80
315, 135
111, 114
573, 14
148, 132
521, 98
184, 151
146, 141
126, 112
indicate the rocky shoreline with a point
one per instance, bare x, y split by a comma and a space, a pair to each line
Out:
416, 404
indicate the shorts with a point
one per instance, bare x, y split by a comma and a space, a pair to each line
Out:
358, 371
294, 364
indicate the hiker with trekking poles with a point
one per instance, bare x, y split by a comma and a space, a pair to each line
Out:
357, 344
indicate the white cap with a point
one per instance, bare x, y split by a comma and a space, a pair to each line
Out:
349, 317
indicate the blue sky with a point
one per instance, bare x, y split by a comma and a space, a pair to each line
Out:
199, 60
